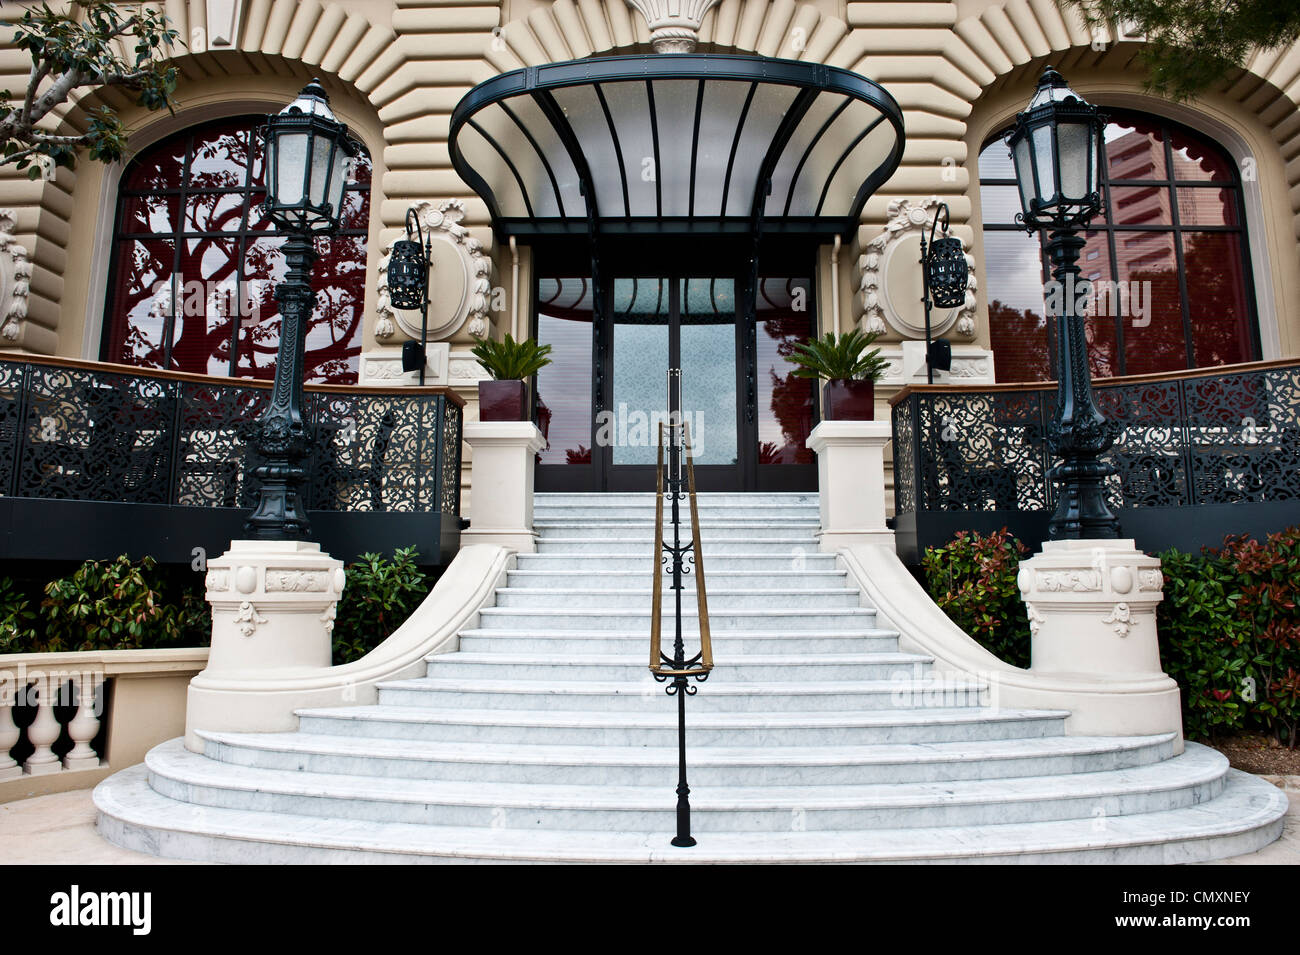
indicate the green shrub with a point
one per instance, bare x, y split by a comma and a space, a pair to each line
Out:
1202, 642
18, 617
973, 578
379, 596
121, 605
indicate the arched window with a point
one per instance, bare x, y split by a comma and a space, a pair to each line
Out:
195, 264
1168, 259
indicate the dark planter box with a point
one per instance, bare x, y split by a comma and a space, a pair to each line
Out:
503, 400
850, 400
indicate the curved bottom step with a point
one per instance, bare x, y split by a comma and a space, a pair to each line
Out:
1247, 816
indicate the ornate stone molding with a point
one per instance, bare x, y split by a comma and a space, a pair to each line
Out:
443, 220
247, 619
674, 24
889, 284
15, 279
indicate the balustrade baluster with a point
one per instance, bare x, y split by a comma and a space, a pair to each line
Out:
9, 734
44, 730
84, 727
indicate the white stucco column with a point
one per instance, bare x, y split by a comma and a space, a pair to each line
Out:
1092, 615
501, 482
851, 482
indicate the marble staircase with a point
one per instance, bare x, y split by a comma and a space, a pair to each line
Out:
543, 737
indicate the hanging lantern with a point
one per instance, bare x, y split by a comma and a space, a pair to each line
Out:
408, 274
948, 272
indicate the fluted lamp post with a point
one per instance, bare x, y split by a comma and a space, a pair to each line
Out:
307, 152
1057, 150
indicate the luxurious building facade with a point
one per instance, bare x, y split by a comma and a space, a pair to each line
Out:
165, 263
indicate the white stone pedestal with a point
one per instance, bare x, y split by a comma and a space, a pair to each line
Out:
851, 482
501, 479
273, 605
1092, 608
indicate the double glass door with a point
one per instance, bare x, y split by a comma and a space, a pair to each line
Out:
686, 324
601, 400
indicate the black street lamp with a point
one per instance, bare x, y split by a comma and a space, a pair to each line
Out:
1057, 150
408, 285
306, 152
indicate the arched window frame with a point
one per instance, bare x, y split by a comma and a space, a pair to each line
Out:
118, 194
1246, 224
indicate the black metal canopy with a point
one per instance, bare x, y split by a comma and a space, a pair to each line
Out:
674, 143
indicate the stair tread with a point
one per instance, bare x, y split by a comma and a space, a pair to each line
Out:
639, 661
1198, 765
1245, 805
557, 754
667, 719
549, 687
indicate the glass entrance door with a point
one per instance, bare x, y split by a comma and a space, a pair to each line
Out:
679, 322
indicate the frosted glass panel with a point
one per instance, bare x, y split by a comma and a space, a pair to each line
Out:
641, 316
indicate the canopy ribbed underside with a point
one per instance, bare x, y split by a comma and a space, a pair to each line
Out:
676, 143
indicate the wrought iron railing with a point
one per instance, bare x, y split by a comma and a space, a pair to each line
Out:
92, 432
1224, 441
95, 432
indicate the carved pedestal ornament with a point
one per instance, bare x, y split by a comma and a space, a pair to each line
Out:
1092, 608
461, 287
889, 284
15, 280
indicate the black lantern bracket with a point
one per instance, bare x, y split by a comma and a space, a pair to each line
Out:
945, 275
409, 264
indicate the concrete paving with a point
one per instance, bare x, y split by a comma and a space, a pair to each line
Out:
60, 830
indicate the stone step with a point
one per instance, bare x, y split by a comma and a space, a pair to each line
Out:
549, 669
727, 644
543, 618
1245, 817
718, 545
720, 500
640, 600
630, 580
643, 694
658, 727
800, 560
644, 530
709, 766
1197, 776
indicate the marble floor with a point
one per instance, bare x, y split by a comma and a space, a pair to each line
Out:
60, 829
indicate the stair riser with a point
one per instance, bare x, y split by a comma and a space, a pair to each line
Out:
645, 531
698, 734
596, 564
703, 774
641, 603
611, 580
511, 618
643, 508
649, 697
724, 648
446, 667
1088, 811
790, 549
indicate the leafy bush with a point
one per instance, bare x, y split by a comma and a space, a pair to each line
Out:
973, 579
1201, 642
379, 596
117, 605
18, 617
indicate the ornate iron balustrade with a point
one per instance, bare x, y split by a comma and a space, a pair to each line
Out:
94, 433
1225, 442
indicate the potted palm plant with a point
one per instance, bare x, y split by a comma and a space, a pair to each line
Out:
511, 364
850, 370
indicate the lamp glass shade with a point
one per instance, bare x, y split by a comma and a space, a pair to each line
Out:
1055, 147
307, 152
